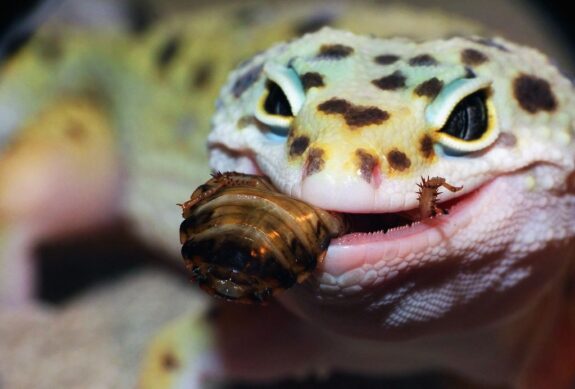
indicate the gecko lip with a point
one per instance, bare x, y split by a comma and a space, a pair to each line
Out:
382, 237
372, 224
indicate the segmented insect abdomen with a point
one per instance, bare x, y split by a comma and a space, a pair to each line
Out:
244, 241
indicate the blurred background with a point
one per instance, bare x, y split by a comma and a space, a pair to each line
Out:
544, 24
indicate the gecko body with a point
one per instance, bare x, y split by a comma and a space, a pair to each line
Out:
345, 121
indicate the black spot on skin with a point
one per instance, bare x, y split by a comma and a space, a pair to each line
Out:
394, 81
429, 88
75, 131
168, 51
170, 362
472, 57
366, 163
398, 160
386, 59
334, 105
246, 80
423, 60
426, 146
365, 116
534, 94
315, 162
141, 16
203, 75
354, 115
299, 146
335, 51
469, 73
312, 80
491, 43
50, 48
314, 23
246, 15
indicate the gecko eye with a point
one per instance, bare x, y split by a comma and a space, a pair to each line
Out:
276, 102
469, 119
281, 100
463, 116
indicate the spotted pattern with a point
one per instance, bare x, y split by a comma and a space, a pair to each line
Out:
472, 57
315, 161
534, 94
75, 131
170, 362
366, 163
398, 160
312, 80
202, 75
429, 88
334, 51
246, 80
141, 16
469, 73
423, 60
394, 81
168, 51
386, 59
50, 49
299, 146
426, 146
354, 115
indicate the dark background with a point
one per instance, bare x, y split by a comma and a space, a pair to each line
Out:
557, 12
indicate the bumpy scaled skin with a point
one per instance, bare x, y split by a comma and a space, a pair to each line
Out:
481, 292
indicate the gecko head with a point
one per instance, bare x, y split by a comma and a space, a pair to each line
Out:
345, 115
350, 123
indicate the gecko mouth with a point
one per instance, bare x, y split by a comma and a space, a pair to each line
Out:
371, 226
382, 238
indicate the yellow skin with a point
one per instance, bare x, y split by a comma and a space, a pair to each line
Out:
122, 128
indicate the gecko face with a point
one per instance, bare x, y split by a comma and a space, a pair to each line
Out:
334, 115
350, 124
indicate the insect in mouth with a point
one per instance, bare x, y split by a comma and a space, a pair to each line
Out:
428, 193
244, 241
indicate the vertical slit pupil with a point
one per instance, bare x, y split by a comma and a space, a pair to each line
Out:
276, 102
468, 121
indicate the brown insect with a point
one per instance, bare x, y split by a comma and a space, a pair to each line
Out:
428, 193
244, 241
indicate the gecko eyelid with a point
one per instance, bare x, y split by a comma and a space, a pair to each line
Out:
281, 99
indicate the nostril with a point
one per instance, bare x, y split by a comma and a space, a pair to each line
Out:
368, 167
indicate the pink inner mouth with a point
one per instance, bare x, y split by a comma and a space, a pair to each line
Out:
367, 228
387, 238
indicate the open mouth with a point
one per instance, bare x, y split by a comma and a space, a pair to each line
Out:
369, 227
392, 237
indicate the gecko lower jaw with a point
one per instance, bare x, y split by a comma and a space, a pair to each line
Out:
374, 238
374, 225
